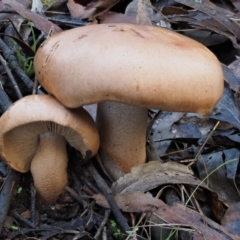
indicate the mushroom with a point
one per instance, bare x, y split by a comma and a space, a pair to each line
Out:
33, 136
128, 68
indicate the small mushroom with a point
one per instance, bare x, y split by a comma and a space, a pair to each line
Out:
33, 136
128, 68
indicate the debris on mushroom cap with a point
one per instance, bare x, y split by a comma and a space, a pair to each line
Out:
133, 64
26, 119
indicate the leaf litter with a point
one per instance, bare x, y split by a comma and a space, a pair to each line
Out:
177, 137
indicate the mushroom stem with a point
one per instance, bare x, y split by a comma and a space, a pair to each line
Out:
49, 166
122, 130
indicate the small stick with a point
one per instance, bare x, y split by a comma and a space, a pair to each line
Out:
23, 220
35, 86
108, 194
76, 197
103, 168
33, 204
103, 223
5, 103
149, 127
9, 185
205, 142
89, 184
8, 54
6, 195
10, 77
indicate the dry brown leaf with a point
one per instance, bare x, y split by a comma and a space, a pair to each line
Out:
222, 179
75, 9
153, 174
112, 17
40, 22
163, 131
178, 214
231, 218
232, 75
26, 214
26, 3
236, 3
95, 8
235, 67
9, 222
223, 16
130, 202
208, 24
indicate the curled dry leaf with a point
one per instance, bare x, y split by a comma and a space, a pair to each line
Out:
153, 174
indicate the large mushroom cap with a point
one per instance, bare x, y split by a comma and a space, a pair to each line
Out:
133, 64
22, 124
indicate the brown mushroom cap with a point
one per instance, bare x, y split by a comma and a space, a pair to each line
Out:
38, 125
134, 64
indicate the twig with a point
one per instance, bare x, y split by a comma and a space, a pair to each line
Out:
87, 190
8, 54
6, 195
33, 204
149, 127
78, 185
104, 235
103, 168
35, 85
5, 103
51, 231
89, 184
10, 184
108, 194
10, 77
205, 142
23, 220
103, 223
76, 197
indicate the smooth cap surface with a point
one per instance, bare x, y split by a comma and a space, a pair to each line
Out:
133, 64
